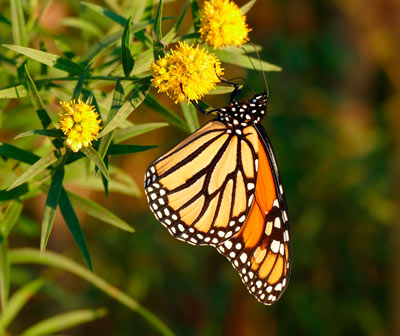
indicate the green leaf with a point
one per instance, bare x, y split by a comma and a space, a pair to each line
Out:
51, 206
17, 91
79, 85
17, 302
18, 23
4, 274
83, 25
35, 169
148, 10
137, 97
246, 7
117, 102
93, 155
245, 62
14, 193
190, 114
127, 59
74, 226
15, 153
165, 113
194, 4
106, 12
174, 30
123, 134
127, 149
5, 20
157, 24
52, 133
99, 47
158, 46
97, 211
21, 256
10, 218
64, 321
37, 101
220, 90
49, 59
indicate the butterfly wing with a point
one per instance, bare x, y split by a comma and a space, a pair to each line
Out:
260, 251
202, 189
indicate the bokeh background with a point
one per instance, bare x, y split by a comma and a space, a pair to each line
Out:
334, 121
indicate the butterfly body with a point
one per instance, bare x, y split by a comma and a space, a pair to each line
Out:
221, 187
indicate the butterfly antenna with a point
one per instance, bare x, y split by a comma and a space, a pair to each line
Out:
252, 64
262, 70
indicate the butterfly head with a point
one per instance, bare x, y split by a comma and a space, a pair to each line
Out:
242, 113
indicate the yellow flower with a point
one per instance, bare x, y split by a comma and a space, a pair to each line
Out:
187, 72
79, 122
223, 24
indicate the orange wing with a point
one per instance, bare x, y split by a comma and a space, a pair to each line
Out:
260, 251
202, 189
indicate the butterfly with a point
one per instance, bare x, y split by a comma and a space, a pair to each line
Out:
221, 187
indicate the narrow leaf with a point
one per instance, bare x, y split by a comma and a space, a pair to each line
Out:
158, 46
18, 23
53, 133
49, 59
246, 7
83, 25
245, 61
100, 46
74, 226
51, 206
97, 211
93, 155
117, 102
64, 321
17, 302
127, 59
10, 218
23, 256
15, 153
105, 12
157, 24
4, 274
123, 134
79, 85
14, 193
194, 4
35, 169
17, 91
174, 30
190, 114
37, 101
165, 113
126, 109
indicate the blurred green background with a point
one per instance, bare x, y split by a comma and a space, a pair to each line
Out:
334, 121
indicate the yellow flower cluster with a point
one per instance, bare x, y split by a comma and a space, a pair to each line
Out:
187, 72
222, 24
79, 122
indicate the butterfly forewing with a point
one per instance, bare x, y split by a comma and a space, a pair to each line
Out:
203, 188
260, 252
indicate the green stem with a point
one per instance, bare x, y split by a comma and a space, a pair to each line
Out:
33, 256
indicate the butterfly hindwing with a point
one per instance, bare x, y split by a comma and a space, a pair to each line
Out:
203, 188
260, 252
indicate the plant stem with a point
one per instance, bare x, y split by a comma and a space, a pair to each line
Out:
33, 256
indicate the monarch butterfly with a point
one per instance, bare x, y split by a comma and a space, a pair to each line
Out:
221, 187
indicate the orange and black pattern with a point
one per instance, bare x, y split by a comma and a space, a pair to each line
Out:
221, 187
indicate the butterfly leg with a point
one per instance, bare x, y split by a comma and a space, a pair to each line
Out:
236, 90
